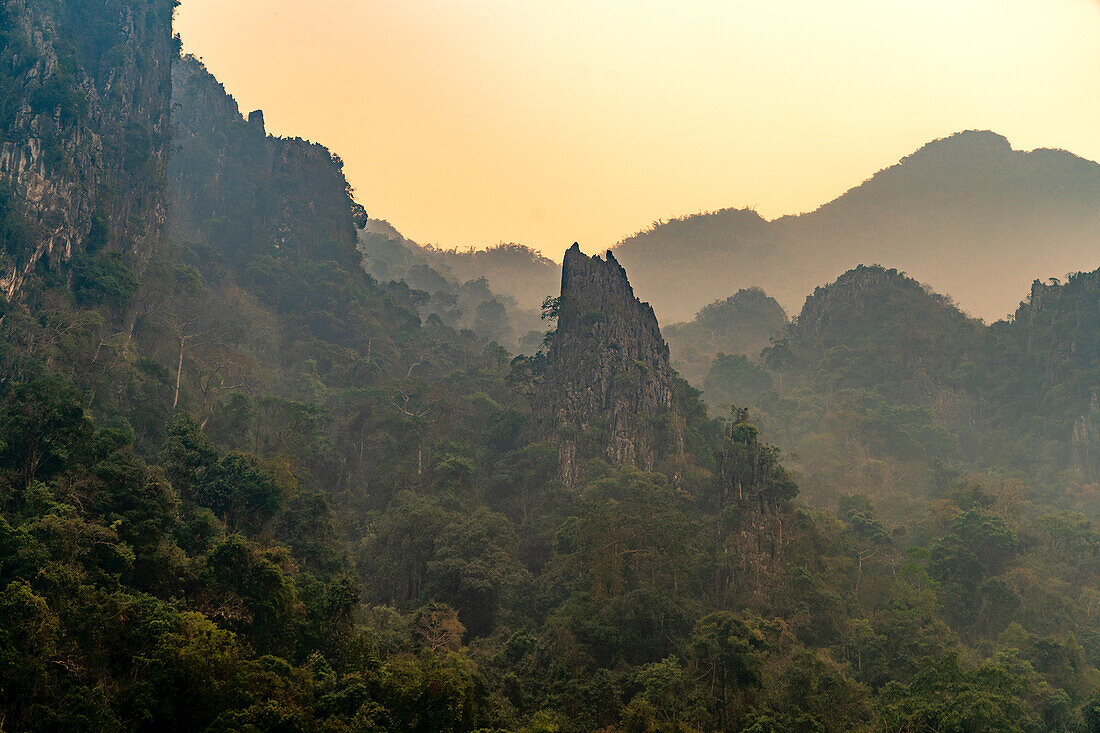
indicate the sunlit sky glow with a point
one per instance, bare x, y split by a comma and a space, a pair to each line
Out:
472, 122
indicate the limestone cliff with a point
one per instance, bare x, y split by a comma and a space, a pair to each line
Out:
249, 194
1055, 332
85, 95
608, 385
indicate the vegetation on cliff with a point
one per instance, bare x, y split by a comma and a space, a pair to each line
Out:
84, 130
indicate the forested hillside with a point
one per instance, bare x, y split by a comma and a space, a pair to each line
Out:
881, 383
246, 486
512, 269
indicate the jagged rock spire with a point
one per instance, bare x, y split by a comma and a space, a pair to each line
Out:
608, 380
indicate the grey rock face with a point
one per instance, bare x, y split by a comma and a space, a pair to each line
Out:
608, 379
84, 136
1084, 459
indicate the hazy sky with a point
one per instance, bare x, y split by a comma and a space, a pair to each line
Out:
471, 122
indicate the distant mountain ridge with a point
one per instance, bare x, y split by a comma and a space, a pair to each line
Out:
965, 214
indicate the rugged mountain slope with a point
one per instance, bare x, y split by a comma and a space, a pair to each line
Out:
169, 561
608, 370
870, 390
881, 385
1046, 369
269, 225
84, 129
967, 214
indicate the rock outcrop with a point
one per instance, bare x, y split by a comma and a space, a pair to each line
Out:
85, 100
1055, 332
608, 384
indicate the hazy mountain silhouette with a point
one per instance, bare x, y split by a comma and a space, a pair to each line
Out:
966, 214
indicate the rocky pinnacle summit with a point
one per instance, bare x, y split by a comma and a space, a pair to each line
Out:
609, 383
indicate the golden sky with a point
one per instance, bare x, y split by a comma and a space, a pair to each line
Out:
472, 122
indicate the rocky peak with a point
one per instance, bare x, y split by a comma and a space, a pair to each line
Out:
588, 285
608, 382
256, 120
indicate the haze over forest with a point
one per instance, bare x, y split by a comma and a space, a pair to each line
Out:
268, 464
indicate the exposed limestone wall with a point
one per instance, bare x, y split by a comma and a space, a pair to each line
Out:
85, 95
608, 377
